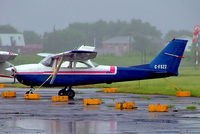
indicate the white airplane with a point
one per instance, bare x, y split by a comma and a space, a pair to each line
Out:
75, 68
5, 75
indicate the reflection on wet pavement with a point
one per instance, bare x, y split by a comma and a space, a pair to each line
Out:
59, 127
59, 103
91, 107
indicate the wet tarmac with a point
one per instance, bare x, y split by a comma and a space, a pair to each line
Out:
43, 116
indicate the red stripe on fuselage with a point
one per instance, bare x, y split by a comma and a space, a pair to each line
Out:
112, 70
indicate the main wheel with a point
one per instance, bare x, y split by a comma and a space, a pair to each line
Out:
29, 92
62, 92
70, 94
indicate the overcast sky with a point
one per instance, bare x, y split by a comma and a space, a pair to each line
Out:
42, 15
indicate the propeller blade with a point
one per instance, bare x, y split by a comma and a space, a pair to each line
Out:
14, 79
56, 71
13, 73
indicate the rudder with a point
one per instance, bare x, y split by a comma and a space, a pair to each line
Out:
170, 57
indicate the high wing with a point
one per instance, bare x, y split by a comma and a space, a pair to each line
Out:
5, 75
82, 54
77, 55
44, 54
6, 56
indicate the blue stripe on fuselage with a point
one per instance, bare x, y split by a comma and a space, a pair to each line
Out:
123, 74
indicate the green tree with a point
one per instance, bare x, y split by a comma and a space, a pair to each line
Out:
7, 29
173, 33
77, 33
31, 37
63, 40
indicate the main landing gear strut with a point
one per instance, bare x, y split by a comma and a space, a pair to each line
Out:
63, 92
69, 92
31, 91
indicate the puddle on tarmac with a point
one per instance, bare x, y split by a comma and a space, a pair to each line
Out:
191, 116
154, 115
92, 107
58, 126
59, 104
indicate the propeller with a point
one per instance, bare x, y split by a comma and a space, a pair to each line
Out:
13, 73
56, 71
14, 76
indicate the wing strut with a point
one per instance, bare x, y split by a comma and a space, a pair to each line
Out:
56, 70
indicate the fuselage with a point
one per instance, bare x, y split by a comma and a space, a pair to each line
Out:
36, 74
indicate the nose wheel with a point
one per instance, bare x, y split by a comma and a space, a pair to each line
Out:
31, 91
69, 92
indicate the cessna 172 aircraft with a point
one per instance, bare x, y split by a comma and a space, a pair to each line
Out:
5, 76
75, 67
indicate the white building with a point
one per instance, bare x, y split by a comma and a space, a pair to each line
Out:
12, 40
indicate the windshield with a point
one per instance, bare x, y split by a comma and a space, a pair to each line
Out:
48, 61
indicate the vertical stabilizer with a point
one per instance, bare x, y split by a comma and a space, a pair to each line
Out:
170, 57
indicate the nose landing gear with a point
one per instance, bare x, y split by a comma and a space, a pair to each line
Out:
31, 91
69, 92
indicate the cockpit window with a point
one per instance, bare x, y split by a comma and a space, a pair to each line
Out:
48, 61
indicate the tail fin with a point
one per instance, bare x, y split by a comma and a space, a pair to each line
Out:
170, 57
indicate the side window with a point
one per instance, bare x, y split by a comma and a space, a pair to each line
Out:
67, 64
75, 65
81, 65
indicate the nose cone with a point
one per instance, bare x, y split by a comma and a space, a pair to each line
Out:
12, 73
11, 70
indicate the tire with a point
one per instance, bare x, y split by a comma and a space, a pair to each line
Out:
71, 94
29, 92
62, 93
